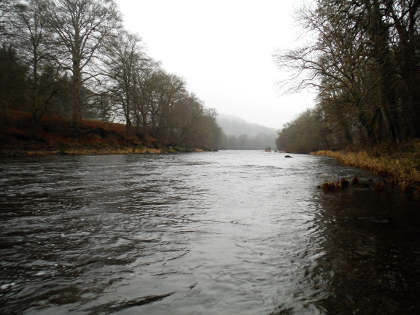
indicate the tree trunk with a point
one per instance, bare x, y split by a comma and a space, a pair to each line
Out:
127, 127
35, 89
127, 111
76, 94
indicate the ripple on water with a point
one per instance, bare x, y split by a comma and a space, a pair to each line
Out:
233, 232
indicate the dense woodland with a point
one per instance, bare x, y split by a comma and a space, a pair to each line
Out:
365, 64
73, 59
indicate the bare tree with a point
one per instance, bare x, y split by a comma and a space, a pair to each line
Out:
142, 94
171, 89
162, 91
32, 38
359, 63
81, 28
124, 60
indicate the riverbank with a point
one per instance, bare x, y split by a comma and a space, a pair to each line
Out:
19, 136
399, 165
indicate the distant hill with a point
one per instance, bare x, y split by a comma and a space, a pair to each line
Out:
235, 126
241, 134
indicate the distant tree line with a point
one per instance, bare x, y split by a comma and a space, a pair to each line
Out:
244, 142
72, 58
365, 64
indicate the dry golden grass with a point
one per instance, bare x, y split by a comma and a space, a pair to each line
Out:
335, 186
119, 128
97, 151
398, 167
41, 153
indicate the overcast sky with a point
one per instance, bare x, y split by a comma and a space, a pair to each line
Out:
224, 50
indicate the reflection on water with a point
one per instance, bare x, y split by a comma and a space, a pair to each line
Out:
367, 257
242, 232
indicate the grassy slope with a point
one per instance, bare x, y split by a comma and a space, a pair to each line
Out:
398, 164
18, 135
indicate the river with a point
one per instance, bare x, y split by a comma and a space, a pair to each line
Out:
229, 232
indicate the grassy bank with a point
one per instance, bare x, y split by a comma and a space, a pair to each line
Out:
55, 135
397, 164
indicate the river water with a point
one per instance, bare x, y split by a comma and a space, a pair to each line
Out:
231, 232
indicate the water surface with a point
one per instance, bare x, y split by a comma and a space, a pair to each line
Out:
232, 232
